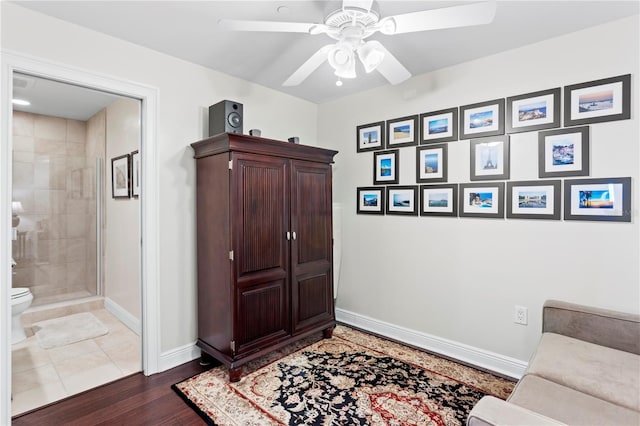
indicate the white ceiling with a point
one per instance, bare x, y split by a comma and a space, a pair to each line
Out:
189, 30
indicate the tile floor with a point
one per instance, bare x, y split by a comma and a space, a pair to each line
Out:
41, 376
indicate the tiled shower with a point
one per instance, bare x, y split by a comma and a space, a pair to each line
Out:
54, 197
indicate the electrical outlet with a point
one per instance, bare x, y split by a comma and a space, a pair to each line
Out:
520, 315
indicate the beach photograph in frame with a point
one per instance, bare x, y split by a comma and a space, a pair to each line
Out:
439, 126
489, 158
563, 152
482, 119
533, 111
402, 200
402, 131
481, 200
370, 136
599, 199
431, 163
608, 99
385, 167
534, 199
439, 200
120, 177
371, 200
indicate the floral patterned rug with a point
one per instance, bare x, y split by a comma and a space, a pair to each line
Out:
351, 379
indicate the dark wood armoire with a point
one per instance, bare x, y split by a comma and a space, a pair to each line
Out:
264, 241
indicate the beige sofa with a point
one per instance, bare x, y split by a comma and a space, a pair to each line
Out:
585, 371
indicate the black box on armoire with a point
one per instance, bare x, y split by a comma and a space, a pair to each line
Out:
225, 117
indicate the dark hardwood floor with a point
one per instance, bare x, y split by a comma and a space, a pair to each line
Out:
134, 400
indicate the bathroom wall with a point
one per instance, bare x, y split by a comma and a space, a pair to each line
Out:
54, 184
122, 230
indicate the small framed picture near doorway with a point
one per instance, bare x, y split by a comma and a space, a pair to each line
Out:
120, 176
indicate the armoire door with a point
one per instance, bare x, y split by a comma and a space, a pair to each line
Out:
312, 245
260, 222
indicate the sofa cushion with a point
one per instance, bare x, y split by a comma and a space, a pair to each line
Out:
568, 405
602, 372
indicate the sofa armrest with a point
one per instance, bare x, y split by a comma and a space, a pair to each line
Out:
617, 330
491, 411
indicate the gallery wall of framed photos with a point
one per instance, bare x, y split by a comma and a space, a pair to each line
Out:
562, 118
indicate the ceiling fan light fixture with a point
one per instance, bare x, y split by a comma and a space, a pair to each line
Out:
342, 60
370, 55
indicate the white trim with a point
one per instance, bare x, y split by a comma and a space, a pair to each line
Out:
123, 315
467, 354
178, 356
13, 61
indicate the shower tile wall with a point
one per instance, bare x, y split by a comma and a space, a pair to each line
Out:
54, 181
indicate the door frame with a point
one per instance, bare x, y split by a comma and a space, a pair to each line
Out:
148, 216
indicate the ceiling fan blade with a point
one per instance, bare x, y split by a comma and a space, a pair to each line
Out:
360, 4
308, 67
271, 26
390, 67
435, 19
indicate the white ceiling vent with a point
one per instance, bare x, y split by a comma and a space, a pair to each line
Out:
21, 81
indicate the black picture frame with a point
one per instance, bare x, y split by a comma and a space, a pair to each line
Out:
402, 200
439, 126
402, 131
563, 152
534, 111
580, 202
439, 200
370, 200
370, 137
482, 119
489, 158
597, 101
135, 174
541, 199
482, 200
386, 167
120, 177
431, 163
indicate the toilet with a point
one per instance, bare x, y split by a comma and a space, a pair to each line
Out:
21, 299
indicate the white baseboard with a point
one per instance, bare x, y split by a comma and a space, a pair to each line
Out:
123, 315
178, 356
467, 354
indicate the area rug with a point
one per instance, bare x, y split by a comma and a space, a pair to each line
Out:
351, 379
68, 329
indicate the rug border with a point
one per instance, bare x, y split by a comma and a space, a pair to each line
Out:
207, 419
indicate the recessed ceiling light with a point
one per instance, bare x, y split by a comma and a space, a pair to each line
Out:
20, 102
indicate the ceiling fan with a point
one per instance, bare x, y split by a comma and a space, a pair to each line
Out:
351, 25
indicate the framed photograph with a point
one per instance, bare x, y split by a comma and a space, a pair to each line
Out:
386, 167
439, 200
370, 136
135, 174
607, 199
490, 158
482, 119
596, 101
120, 176
371, 200
439, 126
563, 152
533, 111
402, 200
534, 200
481, 200
431, 163
402, 131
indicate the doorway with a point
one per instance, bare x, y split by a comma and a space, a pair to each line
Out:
147, 221
74, 251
